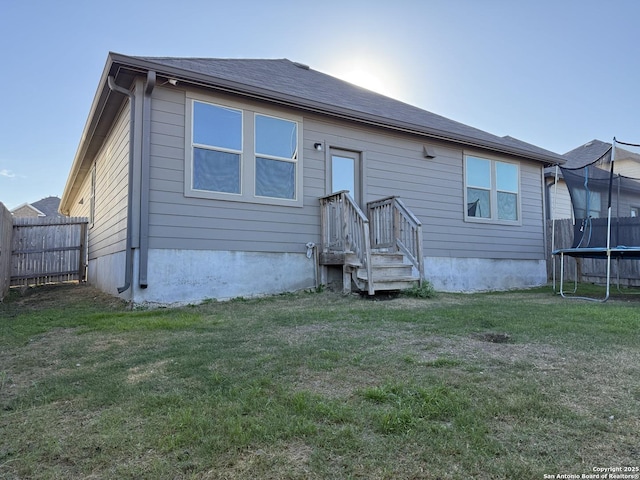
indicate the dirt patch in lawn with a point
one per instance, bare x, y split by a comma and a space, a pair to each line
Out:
290, 460
57, 296
142, 373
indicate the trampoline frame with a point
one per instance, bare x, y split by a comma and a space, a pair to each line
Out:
604, 253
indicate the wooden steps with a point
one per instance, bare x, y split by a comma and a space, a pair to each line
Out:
362, 243
388, 270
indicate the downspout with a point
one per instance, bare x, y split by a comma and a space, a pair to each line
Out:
144, 180
553, 223
545, 242
128, 269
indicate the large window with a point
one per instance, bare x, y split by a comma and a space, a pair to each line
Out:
492, 189
217, 148
239, 154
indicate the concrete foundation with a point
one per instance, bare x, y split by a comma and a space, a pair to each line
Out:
478, 275
107, 274
178, 277
191, 276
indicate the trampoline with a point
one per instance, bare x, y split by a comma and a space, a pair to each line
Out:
605, 211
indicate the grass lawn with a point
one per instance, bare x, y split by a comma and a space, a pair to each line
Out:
514, 385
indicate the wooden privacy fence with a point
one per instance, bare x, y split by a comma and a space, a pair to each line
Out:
589, 270
48, 250
6, 231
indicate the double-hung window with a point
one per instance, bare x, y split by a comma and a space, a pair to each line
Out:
217, 148
276, 156
237, 153
491, 190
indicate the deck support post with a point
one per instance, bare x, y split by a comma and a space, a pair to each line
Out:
346, 279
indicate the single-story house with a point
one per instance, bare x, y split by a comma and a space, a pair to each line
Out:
45, 207
217, 178
598, 153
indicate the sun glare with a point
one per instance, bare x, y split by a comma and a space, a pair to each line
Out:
370, 72
366, 79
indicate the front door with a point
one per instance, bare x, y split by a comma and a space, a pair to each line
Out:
345, 173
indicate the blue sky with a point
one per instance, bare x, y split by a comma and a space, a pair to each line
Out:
555, 73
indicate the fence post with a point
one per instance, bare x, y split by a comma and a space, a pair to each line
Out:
6, 232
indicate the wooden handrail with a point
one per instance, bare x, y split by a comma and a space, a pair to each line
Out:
381, 201
345, 229
408, 213
389, 225
396, 228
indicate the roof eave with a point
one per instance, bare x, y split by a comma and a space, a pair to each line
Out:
99, 100
89, 140
117, 62
206, 80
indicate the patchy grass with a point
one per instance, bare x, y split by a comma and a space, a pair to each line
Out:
509, 385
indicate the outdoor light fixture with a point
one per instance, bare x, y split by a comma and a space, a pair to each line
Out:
317, 146
428, 152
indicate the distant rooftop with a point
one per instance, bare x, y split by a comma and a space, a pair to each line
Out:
586, 154
47, 207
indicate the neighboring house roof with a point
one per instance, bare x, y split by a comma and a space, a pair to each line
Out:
26, 210
45, 207
591, 152
49, 206
287, 83
586, 154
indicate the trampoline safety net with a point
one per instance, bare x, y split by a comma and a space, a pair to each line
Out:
595, 187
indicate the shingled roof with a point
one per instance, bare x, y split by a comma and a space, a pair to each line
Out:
285, 83
48, 206
45, 207
586, 154
295, 83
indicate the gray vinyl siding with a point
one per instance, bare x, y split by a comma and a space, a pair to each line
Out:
82, 209
393, 164
108, 234
176, 221
434, 190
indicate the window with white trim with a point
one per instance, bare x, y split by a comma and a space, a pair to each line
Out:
236, 153
491, 190
217, 148
276, 153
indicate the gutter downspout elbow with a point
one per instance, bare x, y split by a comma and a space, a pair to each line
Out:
128, 269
